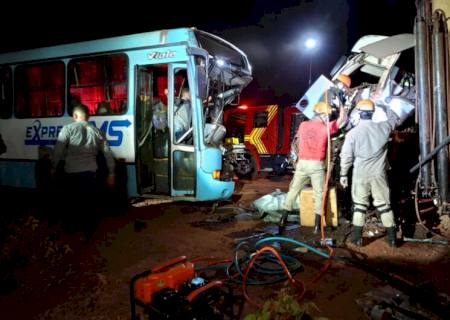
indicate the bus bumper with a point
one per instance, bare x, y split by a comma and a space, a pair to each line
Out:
212, 189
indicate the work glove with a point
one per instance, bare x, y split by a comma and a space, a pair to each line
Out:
343, 181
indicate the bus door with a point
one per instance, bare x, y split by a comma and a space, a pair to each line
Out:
181, 99
152, 130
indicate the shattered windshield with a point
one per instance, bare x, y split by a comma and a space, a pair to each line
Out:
228, 72
220, 49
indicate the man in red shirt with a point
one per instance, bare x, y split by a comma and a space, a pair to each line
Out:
312, 144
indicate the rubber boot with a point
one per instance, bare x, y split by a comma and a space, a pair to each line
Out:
317, 224
282, 223
391, 238
357, 236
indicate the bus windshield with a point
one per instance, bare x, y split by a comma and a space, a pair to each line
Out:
228, 72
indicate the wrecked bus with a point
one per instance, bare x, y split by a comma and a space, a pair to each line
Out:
131, 85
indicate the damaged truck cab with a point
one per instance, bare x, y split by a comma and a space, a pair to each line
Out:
375, 75
372, 67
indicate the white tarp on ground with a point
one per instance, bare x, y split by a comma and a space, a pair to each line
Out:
270, 206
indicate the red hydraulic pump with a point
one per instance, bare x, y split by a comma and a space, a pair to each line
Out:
171, 274
174, 291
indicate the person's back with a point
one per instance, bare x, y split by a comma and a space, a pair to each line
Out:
83, 146
79, 143
370, 141
313, 139
370, 147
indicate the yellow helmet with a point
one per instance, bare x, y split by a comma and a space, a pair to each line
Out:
365, 105
322, 108
345, 79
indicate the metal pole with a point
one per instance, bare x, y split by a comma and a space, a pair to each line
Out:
310, 68
440, 104
430, 156
423, 89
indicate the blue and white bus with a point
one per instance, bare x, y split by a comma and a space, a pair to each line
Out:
131, 85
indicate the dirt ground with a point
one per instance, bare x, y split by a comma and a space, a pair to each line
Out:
90, 279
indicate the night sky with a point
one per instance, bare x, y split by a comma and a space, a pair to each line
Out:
270, 32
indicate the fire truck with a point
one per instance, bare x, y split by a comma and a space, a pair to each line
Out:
262, 135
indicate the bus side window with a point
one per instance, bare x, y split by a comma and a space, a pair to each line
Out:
182, 119
100, 83
5, 92
39, 90
201, 77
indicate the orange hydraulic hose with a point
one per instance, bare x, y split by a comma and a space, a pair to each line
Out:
295, 283
325, 191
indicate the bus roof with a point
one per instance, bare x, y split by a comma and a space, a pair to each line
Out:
238, 71
128, 42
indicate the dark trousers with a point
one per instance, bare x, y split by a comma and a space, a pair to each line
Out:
81, 202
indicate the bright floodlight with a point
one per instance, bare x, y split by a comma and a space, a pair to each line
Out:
220, 62
310, 43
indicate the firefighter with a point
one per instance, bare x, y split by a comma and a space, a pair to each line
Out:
336, 95
312, 144
342, 84
365, 147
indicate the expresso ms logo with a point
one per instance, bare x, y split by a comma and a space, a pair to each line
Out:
38, 134
161, 55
